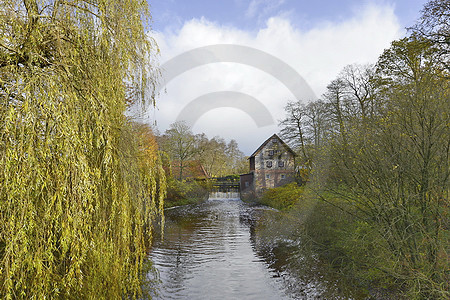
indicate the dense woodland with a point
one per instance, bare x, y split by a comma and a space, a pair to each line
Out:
376, 146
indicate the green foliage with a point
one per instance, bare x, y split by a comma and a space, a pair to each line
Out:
349, 244
401, 179
182, 192
380, 146
283, 197
80, 185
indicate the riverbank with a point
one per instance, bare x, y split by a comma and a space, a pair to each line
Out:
335, 231
186, 192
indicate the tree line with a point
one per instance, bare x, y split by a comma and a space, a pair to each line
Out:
376, 145
217, 157
192, 160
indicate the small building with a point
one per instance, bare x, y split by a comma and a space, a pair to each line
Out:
271, 165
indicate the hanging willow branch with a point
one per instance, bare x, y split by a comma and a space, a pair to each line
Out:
80, 186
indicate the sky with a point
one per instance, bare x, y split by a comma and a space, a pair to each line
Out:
229, 67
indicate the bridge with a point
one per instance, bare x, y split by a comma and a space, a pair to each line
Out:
225, 184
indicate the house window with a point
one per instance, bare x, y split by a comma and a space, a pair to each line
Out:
283, 176
267, 176
247, 184
269, 164
281, 164
270, 152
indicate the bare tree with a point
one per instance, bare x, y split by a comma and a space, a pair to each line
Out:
317, 122
294, 127
359, 88
434, 26
339, 106
179, 142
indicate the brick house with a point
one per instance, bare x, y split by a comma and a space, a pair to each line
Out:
271, 165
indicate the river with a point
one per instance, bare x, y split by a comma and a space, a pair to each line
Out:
226, 249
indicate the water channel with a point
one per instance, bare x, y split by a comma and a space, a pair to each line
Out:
226, 249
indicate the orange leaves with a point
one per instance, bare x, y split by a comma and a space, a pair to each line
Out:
148, 147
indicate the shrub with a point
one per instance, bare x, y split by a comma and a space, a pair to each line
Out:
185, 192
283, 197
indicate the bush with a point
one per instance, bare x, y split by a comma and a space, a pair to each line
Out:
185, 192
348, 243
283, 197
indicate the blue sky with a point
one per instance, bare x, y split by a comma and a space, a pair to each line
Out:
251, 14
315, 38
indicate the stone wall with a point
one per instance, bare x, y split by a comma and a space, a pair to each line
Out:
274, 166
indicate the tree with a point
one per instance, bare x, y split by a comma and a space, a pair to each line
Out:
434, 23
385, 158
293, 128
340, 107
396, 169
359, 89
180, 143
220, 158
76, 205
434, 26
317, 122
216, 156
236, 161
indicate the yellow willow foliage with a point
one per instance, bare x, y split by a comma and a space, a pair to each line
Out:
80, 186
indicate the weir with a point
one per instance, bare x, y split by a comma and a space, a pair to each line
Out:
230, 194
225, 188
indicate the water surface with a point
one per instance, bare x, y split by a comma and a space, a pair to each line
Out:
216, 250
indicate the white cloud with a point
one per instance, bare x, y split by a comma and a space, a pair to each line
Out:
317, 55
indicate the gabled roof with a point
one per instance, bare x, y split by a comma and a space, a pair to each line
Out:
268, 140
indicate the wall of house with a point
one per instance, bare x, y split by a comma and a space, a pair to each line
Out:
247, 191
274, 166
252, 163
246, 182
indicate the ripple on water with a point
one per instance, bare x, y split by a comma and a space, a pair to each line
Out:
207, 254
228, 250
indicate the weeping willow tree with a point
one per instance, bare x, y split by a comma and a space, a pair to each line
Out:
79, 185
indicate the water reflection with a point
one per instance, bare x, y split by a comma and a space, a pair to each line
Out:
224, 249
